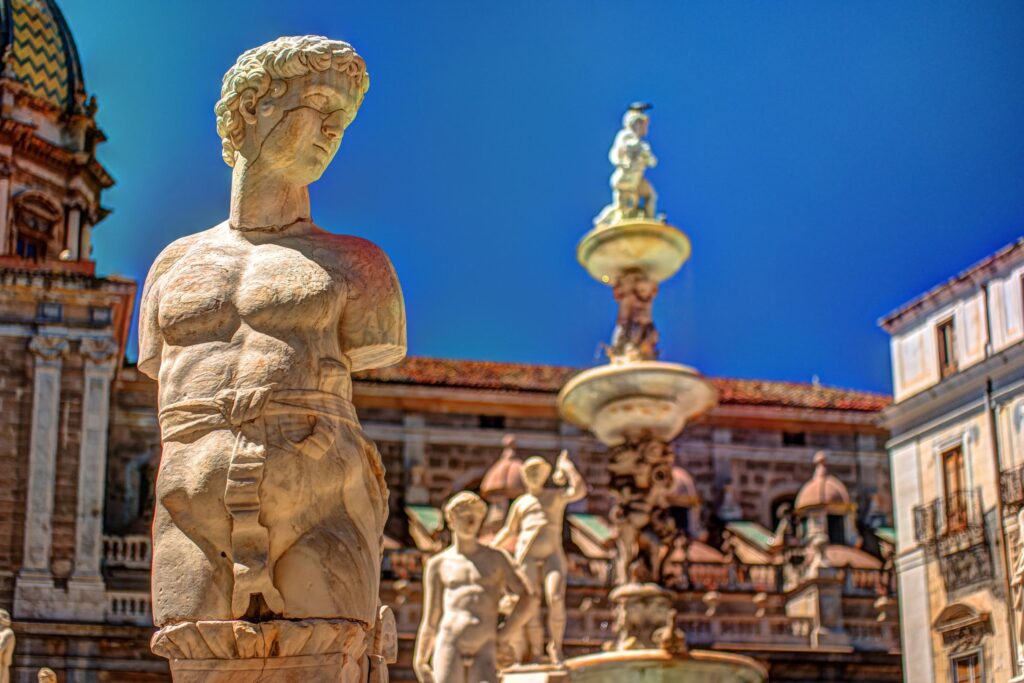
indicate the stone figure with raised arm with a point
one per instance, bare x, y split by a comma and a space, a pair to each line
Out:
6, 646
271, 501
462, 588
536, 519
632, 194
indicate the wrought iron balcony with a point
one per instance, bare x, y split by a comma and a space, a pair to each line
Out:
951, 523
1011, 486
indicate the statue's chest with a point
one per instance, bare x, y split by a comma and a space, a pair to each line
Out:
285, 283
272, 286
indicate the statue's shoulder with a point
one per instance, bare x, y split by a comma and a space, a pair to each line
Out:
178, 248
356, 255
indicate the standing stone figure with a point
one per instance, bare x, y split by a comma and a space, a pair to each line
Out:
632, 194
635, 337
536, 520
6, 646
271, 500
462, 588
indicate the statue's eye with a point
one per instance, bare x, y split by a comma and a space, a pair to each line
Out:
317, 101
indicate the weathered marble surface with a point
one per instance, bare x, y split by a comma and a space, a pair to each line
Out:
271, 500
7, 640
535, 520
462, 590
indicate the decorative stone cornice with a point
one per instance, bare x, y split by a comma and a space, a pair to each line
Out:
48, 347
99, 351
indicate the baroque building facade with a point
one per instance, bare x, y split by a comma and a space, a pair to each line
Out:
957, 455
80, 450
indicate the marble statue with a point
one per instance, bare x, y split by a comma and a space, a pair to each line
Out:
632, 194
535, 519
6, 646
635, 337
46, 675
271, 500
462, 589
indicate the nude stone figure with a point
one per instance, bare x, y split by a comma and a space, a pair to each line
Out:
462, 588
271, 500
6, 646
536, 519
632, 194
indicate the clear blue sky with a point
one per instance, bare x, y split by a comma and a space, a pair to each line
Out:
830, 160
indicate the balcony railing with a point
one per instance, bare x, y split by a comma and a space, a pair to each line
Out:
133, 552
129, 607
953, 522
1011, 486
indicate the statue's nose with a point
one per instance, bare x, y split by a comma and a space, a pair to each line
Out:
333, 125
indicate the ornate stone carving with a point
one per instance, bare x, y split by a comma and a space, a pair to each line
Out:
99, 351
462, 590
632, 194
635, 337
641, 480
6, 646
535, 520
48, 348
641, 611
271, 500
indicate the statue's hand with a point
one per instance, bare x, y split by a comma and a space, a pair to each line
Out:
424, 674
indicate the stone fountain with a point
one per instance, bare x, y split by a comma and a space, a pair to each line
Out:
637, 404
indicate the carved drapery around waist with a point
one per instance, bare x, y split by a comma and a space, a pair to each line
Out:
244, 412
231, 408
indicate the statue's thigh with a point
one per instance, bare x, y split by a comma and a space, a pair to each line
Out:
485, 666
447, 664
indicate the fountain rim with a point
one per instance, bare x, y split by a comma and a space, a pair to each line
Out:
656, 655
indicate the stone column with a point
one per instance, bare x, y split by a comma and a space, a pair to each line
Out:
5, 194
86, 589
35, 579
414, 449
73, 229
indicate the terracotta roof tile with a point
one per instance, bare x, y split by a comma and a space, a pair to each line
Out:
474, 374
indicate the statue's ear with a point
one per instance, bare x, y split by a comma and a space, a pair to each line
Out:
247, 106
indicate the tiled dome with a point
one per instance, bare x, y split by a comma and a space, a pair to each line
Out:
504, 479
822, 489
40, 52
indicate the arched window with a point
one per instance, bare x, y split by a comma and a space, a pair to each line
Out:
36, 221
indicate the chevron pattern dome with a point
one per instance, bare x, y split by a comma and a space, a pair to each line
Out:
40, 52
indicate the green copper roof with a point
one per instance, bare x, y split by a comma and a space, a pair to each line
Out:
594, 524
886, 533
428, 517
752, 532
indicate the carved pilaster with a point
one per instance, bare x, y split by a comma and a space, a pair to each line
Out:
100, 356
6, 169
48, 352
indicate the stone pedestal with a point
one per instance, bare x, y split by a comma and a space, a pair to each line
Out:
535, 673
821, 600
307, 651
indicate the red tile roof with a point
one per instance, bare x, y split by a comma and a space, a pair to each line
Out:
474, 374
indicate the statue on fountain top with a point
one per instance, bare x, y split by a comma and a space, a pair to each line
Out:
632, 194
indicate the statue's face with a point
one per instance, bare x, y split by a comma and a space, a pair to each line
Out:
298, 132
466, 520
536, 475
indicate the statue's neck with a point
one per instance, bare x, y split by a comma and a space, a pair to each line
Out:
264, 201
465, 545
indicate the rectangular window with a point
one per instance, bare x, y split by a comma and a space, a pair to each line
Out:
946, 338
836, 530
49, 311
100, 315
954, 481
967, 668
794, 438
492, 421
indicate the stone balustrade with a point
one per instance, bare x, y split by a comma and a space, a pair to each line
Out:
132, 552
129, 607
